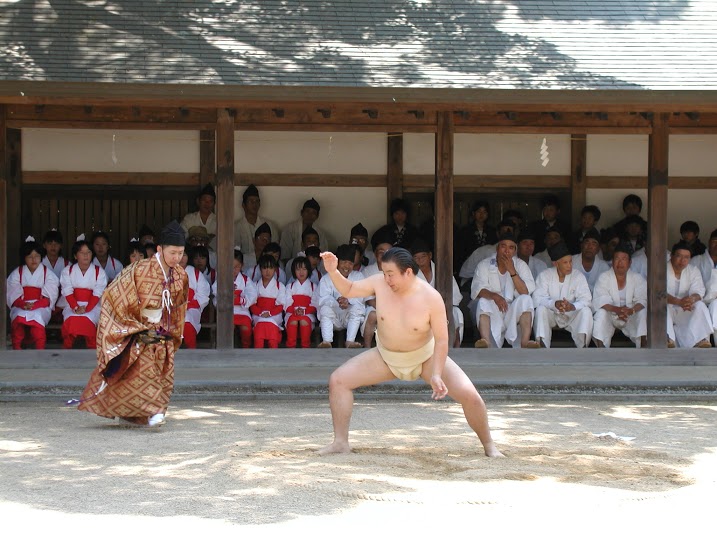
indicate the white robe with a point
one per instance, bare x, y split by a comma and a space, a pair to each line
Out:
331, 316
60, 264
248, 294
255, 274
277, 291
575, 290
710, 296
503, 325
544, 257
607, 293
42, 278
197, 282
598, 268
706, 266
291, 239
468, 268
537, 266
309, 289
687, 328
94, 279
112, 268
458, 320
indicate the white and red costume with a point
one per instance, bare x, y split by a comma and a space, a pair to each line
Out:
244, 297
197, 300
112, 268
270, 298
301, 295
81, 289
38, 291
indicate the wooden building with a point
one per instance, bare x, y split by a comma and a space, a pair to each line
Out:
398, 68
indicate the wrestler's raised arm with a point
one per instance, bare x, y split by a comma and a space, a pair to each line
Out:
346, 287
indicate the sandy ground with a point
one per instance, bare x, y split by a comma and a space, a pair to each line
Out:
223, 467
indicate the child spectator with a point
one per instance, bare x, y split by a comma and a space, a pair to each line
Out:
82, 285
101, 249
302, 303
244, 297
267, 311
690, 232
136, 251
200, 260
197, 301
53, 260
273, 250
32, 290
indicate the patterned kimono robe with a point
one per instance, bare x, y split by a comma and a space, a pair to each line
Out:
135, 379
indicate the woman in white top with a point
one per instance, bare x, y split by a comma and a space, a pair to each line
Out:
101, 249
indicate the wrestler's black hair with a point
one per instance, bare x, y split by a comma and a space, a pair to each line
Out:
267, 260
301, 261
28, 247
78, 245
402, 258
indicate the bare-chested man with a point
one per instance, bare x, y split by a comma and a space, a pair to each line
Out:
411, 342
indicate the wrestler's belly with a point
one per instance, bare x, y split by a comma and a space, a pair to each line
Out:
402, 340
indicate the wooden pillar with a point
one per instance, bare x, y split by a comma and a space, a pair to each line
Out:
657, 177
394, 171
225, 228
443, 249
578, 181
3, 227
207, 157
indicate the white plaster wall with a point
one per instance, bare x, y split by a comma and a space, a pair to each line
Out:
306, 153
693, 155
500, 154
105, 150
341, 208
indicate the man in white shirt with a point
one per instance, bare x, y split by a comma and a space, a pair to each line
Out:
588, 262
688, 320
501, 288
526, 247
562, 299
619, 302
246, 226
206, 200
291, 234
468, 268
707, 262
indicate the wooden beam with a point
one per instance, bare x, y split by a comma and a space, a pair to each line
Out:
3, 227
207, 156
159, 179
394, 170
18, 222
658, 153
641, 182
225, 228
310, 180
444, 215
487, 183
578, 183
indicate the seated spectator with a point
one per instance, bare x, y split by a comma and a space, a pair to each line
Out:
309, 238
620, 302
359, 237
269, 307
609, 239
423, 256
562, 299
82, 284
146, 235
336, 311
516, 217
291, 234
53, 260
690, 231
136, 251
245, 227
198, 296
707, 261
313, 254
711, 300
688, 320
631, 207
199, 237
274, 250
205, 216
634, 235
262, 237
589, 217
245, 295
475, 234
526, 246
501, 291
32, 291
403, 233
550, 221
379, 244
552, 237
302, 303
101, 248
151, 249
587, 262
468, 268
199, 260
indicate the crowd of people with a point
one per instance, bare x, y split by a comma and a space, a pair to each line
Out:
517, 281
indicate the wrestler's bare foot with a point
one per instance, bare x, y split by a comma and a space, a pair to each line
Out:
335, 448
492, 452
